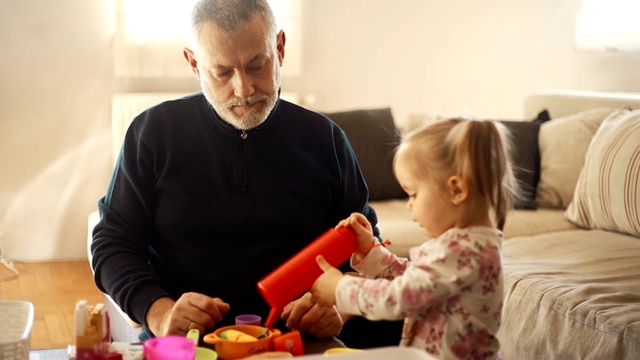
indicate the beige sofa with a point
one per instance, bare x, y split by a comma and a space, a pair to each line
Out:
572, 267
571, 291
572, 288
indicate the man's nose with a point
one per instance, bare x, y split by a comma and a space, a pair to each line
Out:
243, 86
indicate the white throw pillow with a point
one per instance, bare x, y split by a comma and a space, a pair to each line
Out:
563, 142
607, 195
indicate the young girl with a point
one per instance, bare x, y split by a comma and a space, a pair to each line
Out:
460, 185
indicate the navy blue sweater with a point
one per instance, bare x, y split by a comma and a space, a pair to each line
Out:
194, 206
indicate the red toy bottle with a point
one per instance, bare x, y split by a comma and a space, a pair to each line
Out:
297, 274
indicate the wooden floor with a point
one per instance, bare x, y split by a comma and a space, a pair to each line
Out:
53, 288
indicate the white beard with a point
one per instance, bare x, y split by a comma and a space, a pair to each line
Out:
252, 118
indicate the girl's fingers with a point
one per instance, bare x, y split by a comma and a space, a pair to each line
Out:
323, 264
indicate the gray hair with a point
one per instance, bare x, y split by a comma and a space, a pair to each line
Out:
230, 14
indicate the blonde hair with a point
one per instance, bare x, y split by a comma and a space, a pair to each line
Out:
475, 150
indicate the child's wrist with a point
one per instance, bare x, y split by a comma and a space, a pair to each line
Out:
363, 250
361, 254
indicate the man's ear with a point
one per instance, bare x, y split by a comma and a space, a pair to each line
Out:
458, 189
191, 59
280, 41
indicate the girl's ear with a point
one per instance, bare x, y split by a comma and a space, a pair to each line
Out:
458, 189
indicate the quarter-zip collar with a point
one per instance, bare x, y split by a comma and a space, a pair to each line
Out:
241, 141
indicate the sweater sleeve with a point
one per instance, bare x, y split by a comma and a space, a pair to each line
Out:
121, 239
403, 288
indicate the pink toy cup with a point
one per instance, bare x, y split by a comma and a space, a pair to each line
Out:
172, 347
297, 274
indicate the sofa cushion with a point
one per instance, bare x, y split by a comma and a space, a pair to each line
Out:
571, 295
563, 142
522, 222
607, 195
373, 136
525, 158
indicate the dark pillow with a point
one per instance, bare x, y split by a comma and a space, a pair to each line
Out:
373, 136
526, 156
543, 116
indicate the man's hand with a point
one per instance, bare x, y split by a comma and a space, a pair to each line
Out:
191, 311
312, 319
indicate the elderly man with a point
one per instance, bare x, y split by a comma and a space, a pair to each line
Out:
213, 191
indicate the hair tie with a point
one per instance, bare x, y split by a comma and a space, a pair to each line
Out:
384, 243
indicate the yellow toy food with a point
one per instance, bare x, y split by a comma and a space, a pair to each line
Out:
235, 335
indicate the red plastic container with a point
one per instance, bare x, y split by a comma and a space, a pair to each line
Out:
297, 274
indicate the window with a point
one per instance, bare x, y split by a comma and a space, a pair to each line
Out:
608, 25
150, 35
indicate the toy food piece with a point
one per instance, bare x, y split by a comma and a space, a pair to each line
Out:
235, 335
340, 350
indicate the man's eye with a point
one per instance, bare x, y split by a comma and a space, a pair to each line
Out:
256, 68
224, 74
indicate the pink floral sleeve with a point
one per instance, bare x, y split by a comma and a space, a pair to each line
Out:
449, 292
400, 287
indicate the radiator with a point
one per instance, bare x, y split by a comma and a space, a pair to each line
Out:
126, 106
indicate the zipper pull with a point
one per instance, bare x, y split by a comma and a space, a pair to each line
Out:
243, 135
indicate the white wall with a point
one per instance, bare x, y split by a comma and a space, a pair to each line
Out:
442, 58
449, 57
55, 133
55, 88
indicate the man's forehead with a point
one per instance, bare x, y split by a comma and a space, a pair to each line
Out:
225, 57
225, 46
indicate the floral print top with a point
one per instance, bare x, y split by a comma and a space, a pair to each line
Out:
450, 293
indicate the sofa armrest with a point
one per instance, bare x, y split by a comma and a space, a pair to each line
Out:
566, 102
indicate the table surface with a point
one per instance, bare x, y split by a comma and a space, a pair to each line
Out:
49, 354
311, 346
317, 346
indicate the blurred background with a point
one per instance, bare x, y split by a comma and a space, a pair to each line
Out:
65, 60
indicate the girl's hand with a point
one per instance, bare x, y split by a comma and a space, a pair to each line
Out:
324, 288
361, 225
